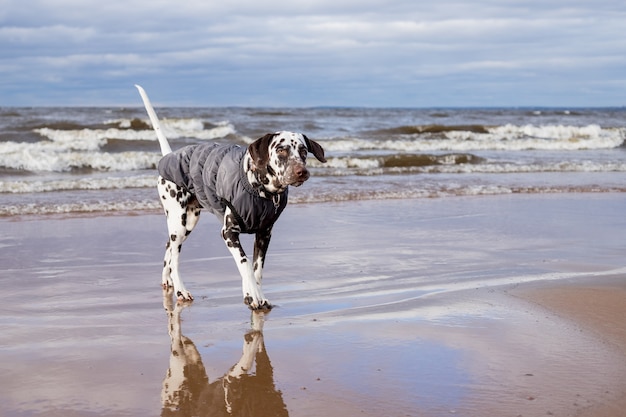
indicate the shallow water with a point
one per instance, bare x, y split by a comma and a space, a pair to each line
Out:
390, 305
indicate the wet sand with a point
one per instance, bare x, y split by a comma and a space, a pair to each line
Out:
490, 306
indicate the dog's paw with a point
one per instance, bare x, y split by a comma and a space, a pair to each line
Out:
184, 296
255, 305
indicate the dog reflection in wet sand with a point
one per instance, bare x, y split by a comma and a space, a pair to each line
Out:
188, 392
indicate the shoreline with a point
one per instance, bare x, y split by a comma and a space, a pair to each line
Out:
595, 307
472, 306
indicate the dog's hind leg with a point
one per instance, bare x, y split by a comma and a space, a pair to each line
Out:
182, 211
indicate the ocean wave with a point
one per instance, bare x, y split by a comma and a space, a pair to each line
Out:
181, 127
79, 207
422, 190
336, 167
452, 190
431, 129
51, 157
403, 160
73, 184
451, 164
73, 160
131, 129
66, 150
471, 138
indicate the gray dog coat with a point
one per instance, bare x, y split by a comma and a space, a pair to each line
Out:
215, 174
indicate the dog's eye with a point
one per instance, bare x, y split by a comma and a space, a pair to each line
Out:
303, 153
283, 152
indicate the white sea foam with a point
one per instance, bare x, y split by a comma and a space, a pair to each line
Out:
45, 156
172, 128
314, 195
191, 127
82, 183
336, 167
78, 207
502, 138
91, 139
342, 166
438, 190
347, 162
550, 137
510, 168
64, 150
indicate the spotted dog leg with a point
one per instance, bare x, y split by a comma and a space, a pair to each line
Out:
251, 288
261, 243
182, 211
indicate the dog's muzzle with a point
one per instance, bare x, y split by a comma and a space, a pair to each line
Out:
297, 176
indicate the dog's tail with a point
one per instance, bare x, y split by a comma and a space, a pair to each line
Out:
165, 146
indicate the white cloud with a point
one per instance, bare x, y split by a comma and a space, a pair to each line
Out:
316, 52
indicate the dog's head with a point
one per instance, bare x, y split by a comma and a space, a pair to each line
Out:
278, 160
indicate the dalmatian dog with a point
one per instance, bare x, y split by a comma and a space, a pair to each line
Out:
246, 188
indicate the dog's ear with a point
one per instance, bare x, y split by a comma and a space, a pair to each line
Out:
259, 151
315, 148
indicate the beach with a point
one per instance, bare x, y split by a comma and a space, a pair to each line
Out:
507, 305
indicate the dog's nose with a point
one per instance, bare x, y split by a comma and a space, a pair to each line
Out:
301, 172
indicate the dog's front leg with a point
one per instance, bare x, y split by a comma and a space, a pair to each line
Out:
252, 294
261, 243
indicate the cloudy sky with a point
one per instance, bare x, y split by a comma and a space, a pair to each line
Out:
375, 53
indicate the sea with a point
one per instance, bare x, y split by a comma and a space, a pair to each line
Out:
72, 160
